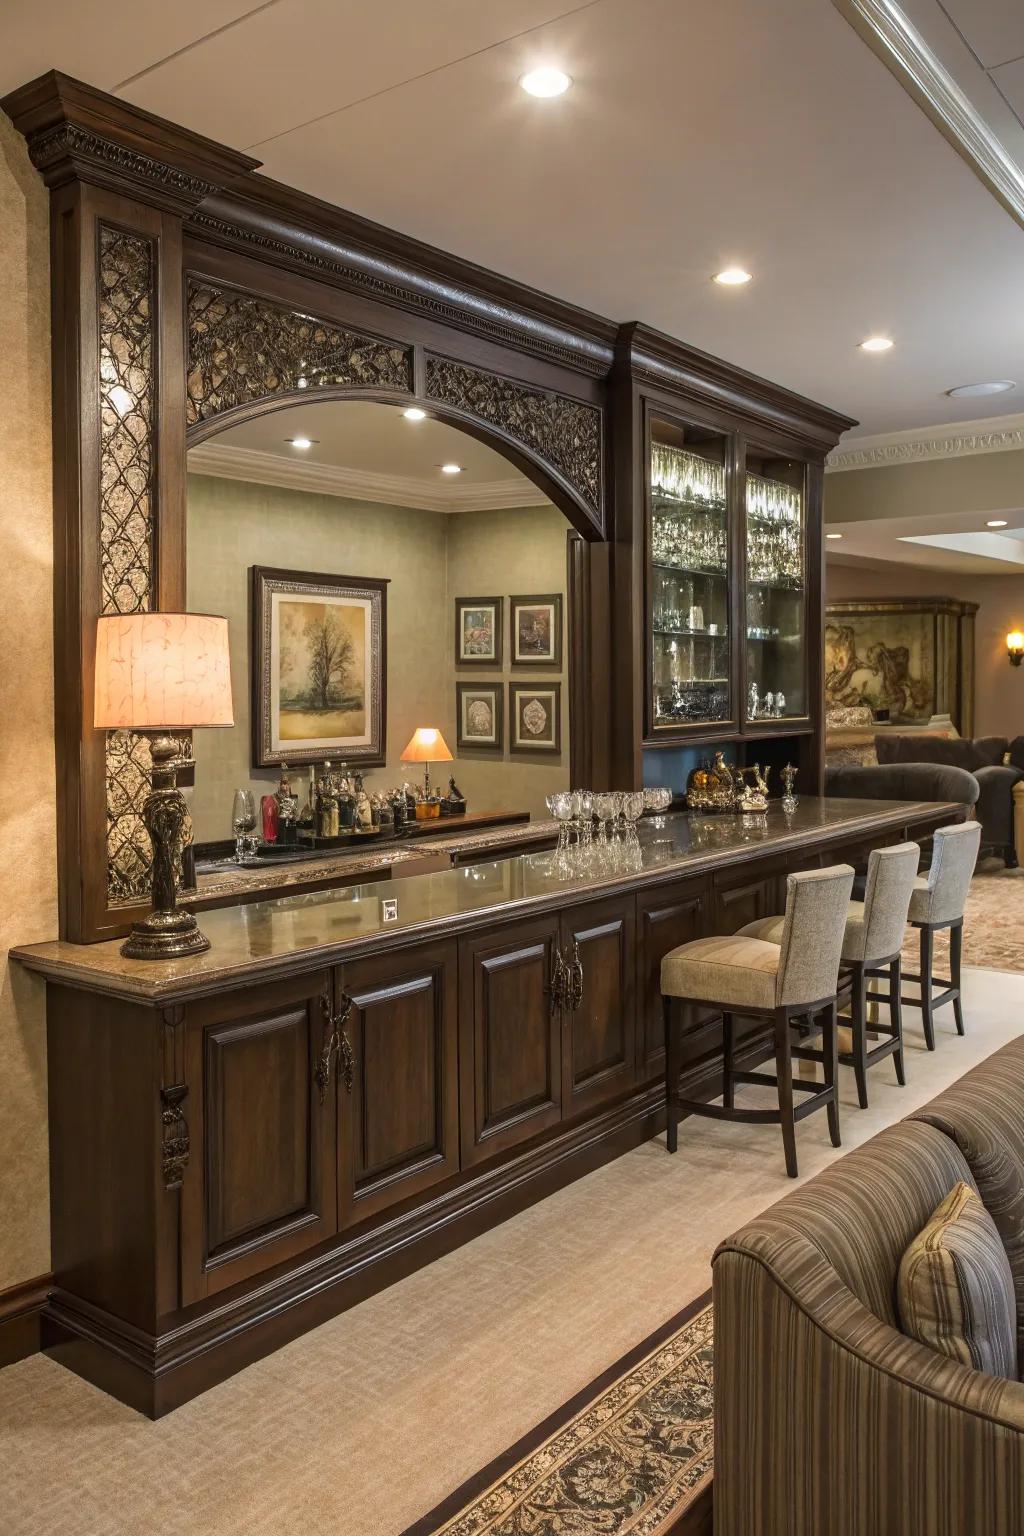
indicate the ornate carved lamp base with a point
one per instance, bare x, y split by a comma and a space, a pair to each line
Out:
168, 931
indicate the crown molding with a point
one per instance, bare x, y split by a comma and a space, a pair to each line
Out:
889, 33
954, 440
256, 467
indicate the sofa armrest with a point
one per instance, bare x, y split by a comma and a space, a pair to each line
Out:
996, 782
829, 1422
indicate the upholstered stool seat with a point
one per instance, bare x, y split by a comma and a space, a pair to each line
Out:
871, 946
791, 978
937, 902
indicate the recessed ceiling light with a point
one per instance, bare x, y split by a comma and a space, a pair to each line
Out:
876, 344
996, 522
833, 535
451, 469
732, 277
414, 413
546, 81
971, 391
301, 442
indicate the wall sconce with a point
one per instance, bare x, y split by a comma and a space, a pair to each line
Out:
1015, 647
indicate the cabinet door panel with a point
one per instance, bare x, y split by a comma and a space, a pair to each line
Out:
667, 916
260, 1185
743, 896
510, 1038
598, 1036
399, 1125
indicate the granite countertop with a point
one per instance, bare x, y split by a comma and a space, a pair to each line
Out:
289, 933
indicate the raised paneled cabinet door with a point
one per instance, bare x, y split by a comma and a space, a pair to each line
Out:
260, 1185
510, 1036
667, 916
598, 1019
398, 1105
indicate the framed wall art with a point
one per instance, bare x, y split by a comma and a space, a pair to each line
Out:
318, 664
535, 625
480, 710
478, 631
535, 717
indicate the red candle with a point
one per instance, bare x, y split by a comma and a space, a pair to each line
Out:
269, 807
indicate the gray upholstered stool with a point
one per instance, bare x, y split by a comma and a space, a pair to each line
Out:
792, 980
872, 946
938, 902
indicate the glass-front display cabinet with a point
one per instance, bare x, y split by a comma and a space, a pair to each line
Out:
726, 609
689, 580
775, 583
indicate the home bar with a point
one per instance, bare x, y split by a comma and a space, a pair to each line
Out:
423, 985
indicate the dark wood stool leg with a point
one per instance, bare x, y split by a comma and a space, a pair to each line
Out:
784, 1073
858, 1021
727, 1047
896, 1018
956, 950
927, 1017
671, 1076
830, 1044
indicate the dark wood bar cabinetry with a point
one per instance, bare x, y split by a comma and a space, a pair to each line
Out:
246, 1142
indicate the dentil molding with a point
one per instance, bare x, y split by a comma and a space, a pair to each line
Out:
955, 440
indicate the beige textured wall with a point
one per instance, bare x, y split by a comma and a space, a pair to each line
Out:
430, 559
998, 687
979, 482
28, 882
500, 554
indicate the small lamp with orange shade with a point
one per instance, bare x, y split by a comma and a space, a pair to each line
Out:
157, 673
426, 745
1015, 647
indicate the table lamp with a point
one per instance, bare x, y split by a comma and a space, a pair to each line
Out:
426, 745
157, 673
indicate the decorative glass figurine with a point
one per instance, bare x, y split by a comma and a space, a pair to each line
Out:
789, 799
755, 701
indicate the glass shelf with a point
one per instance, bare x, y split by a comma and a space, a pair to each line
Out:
776, 601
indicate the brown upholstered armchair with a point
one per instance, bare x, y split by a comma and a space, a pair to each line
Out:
984, 756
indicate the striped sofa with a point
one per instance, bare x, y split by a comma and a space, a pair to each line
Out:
828, 1420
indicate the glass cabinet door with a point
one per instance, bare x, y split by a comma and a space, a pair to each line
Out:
688, 578
776, 564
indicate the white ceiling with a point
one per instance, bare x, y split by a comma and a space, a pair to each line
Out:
961, 542
695, 135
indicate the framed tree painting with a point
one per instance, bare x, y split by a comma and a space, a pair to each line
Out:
535, 717
478, 631
536, 630
480, 708
318, 664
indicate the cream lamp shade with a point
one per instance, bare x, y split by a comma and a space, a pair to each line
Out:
426, 745
162, 671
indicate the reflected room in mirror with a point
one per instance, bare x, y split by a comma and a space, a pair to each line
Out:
349, 545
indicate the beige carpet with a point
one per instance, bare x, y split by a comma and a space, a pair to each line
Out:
366, 1424
993, 924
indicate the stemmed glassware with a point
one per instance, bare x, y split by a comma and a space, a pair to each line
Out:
561, 807
243, 822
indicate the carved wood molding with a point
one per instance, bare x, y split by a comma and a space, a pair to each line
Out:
175, 1140
997, 435
69, 151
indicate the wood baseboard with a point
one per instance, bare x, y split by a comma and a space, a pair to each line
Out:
21, 1310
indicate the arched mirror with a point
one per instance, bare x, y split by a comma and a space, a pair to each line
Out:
385, 575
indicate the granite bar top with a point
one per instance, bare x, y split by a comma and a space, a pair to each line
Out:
287, 934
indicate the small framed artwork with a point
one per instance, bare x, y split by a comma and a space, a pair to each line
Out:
536, 630
478, 631
481, 712
535, 717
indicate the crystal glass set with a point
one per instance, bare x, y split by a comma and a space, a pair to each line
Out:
593, 822
774, 533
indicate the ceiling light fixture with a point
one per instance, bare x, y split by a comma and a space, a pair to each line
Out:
973, 391
876, 344
732, 277
833, 535
546, 81
301, 442
996, 522
451, 469
414, 413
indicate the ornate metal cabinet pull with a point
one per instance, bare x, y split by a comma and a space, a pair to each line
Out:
574, 979
559, 979
337, 1041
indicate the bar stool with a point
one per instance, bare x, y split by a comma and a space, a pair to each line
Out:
794, 979
938, 902
872, 947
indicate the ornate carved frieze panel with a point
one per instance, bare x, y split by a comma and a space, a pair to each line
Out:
241, 348
564, 433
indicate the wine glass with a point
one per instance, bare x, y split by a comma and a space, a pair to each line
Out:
632, 810
243, 821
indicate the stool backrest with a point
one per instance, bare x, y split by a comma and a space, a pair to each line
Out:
817, 906
954, 855
891, 876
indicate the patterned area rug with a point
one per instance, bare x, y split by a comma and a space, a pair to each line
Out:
993, 924
630, 1455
